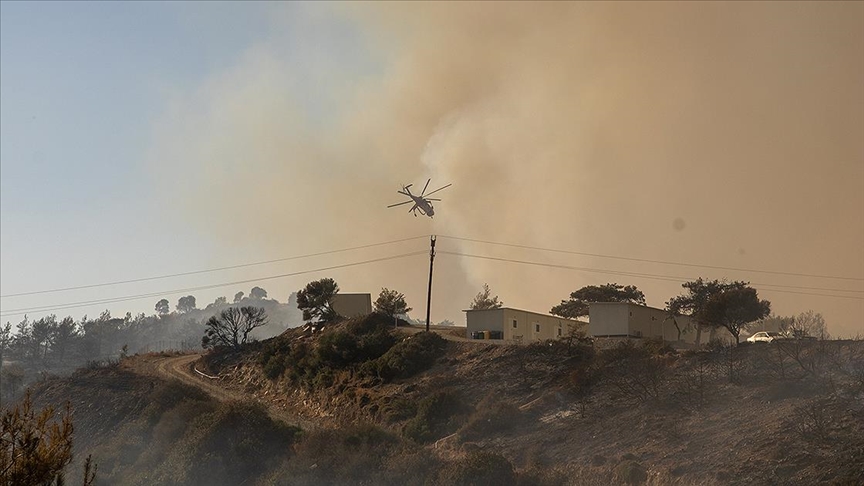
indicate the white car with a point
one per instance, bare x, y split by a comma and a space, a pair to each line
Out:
766, 337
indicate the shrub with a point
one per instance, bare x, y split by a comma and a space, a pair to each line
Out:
490, 416
631, 472
436, 416
634, 371
343, 347
274, 357
478, 469
398, 409
413, 355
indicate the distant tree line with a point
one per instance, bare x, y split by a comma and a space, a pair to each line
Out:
53, 344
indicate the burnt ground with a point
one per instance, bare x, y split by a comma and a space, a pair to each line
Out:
752, 415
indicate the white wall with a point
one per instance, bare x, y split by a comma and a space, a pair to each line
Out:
608, 319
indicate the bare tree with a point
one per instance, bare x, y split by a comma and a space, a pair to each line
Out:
232, 326
807, 324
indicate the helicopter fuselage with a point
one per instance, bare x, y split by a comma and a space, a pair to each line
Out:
420, 202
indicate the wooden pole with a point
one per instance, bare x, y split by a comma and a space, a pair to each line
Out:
429, 293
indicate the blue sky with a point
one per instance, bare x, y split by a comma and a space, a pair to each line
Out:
82, 86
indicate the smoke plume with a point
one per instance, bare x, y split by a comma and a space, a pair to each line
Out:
729, 135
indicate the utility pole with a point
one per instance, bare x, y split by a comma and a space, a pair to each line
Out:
429, 294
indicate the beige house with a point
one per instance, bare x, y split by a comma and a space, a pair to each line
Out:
626, 320
516, 325
352, 305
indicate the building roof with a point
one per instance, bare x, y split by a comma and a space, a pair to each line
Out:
625, 303
525, 311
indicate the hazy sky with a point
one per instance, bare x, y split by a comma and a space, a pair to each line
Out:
146, 139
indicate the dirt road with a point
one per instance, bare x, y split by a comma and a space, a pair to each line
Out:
182, 368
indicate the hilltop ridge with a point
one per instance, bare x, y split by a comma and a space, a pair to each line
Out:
551, 413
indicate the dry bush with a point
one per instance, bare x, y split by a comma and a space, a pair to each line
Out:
478, 468
633, 372
491, 416
695, 379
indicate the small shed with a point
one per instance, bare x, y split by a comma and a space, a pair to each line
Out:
352, 305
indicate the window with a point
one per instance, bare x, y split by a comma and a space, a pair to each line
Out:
515, 324
559, 332
536, 327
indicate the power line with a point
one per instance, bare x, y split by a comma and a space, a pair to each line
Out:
667, 278
72, 305
194, 272
652, 261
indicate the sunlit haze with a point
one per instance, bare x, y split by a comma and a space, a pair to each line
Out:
649, 143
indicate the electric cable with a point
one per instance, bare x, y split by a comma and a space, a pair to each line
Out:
668, 278
643, 260
195, 272
71, 305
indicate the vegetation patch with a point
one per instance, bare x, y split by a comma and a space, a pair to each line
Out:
438, 415
411, 356
491, 416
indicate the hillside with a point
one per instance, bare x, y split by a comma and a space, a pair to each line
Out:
393, 407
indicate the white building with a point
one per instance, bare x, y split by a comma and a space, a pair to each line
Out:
516, 325
626, 320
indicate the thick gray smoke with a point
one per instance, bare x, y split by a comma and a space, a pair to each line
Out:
721, 134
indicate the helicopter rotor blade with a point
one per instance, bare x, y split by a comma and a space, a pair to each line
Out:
440, 188
399, 204
425, 187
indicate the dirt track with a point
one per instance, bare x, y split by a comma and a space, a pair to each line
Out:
182, 368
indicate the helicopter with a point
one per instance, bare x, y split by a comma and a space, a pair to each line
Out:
421, 202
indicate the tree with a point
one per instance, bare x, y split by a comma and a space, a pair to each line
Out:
232, 327
315, 300
577, 305
186, 304
238, 297
692, 304
735, 308
219, 302
257, 293
63, 336
484, 301
34, 447
808, 324
163, 307
6, 339
391, 303
43, 331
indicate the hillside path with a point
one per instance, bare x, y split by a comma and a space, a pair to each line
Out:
182, 368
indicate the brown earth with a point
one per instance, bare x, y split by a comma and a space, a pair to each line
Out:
773, 417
